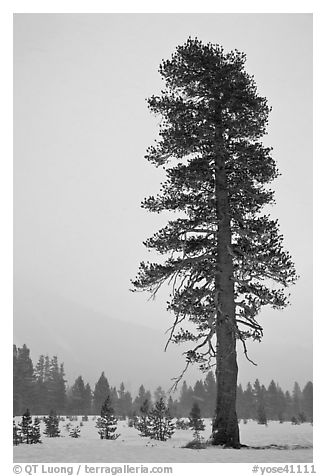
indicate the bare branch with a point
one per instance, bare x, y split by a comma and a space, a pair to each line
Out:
177, 379
172, 329
245, 350
153, 293
205, 341
249, 324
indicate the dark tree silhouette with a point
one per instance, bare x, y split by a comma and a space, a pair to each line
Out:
79, 398
142, 396
101, 391
223, 251
23, 380
307, 400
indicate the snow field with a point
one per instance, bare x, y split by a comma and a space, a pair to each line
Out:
131, 448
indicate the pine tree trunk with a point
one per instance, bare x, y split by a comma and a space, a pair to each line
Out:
225, 423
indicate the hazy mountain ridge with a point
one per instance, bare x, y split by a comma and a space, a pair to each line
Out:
88, 341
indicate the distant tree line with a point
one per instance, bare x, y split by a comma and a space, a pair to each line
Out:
271, 403
42, 388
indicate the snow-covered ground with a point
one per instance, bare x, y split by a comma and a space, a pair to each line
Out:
130, 447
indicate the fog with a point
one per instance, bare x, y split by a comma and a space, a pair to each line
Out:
81, 129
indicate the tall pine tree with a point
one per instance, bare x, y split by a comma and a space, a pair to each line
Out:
296, 399
56, 386
223, 251
307, 400
88, 396
79, 397
40, 386
272, 401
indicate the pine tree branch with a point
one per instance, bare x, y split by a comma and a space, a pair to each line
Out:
249, 324
177, 379
205, 341
172, 329
245, 350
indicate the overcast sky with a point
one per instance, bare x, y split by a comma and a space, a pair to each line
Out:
81, 129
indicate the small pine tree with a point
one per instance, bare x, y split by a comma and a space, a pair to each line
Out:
17, 438
75, 432
160, 424
143, 423
195, 421
26, 427
107, 423
52, 425
36, 432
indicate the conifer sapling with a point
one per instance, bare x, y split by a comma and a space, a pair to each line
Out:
107, 422
52, 425
160, 426
143, 425
17, 439
26, 427
195, 421
36, 431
